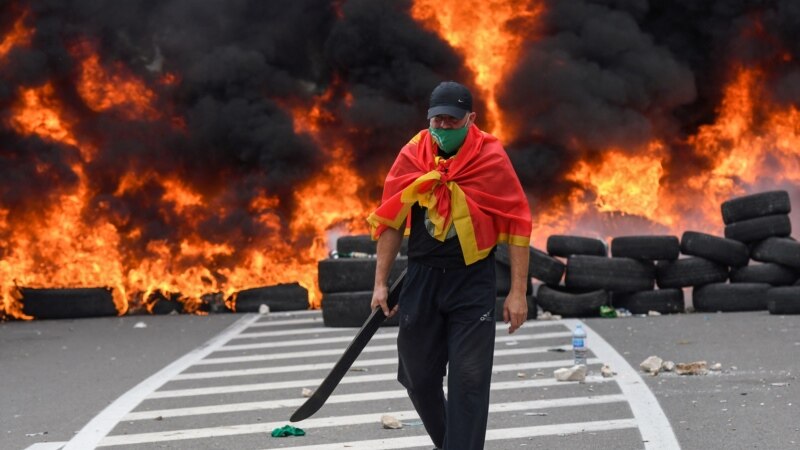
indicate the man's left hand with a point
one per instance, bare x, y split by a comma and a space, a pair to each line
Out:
515, 311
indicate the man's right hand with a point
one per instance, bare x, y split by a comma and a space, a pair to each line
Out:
380, 297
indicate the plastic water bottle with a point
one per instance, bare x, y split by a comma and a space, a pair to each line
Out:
579, 345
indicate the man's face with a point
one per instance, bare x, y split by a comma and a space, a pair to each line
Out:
449, 122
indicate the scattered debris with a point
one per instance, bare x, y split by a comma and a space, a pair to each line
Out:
390, 422
536, 414
521, 375
159, 418
716, 367
692, 368
359, 369
574, 373
140, 325
307, 392
263, 309
623, 312
557, 350
608, 312
779, 384
668, 366
606, 371
546, 315
41, 433
653, 313
651, 365
287, 430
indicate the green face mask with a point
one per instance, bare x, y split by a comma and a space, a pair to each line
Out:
449, 140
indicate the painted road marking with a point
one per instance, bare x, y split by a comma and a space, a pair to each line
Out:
344, 398
491, 435
97, 428
516, 338
648, 417
657, 433
337, 421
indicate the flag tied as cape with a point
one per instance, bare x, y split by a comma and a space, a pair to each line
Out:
476, 191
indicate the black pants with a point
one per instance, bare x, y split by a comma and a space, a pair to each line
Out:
447, 316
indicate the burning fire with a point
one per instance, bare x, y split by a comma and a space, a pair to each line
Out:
72, 239
19, 36
751, 146
489, 35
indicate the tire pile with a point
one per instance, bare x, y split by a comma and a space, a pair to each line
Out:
346, 282
756, 266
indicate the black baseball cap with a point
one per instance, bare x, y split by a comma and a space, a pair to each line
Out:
450, 98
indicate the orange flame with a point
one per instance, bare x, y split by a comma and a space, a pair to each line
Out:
102, 89
753, 145
488, 34
20, 35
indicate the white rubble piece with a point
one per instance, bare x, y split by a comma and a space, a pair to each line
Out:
653, 313
574, 373
668, 366
716, 367
606, 371
263, 309
307, 392
692, 368
546, 315
390, 422
651, 365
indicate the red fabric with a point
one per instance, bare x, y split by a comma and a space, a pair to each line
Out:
497, 205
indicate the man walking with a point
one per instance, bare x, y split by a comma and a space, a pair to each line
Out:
453, 190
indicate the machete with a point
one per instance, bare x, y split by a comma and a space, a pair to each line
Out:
371, 325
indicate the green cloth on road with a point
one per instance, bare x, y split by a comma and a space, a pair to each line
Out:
287, 430
608, 311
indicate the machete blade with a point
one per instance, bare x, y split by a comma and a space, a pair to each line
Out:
362, 338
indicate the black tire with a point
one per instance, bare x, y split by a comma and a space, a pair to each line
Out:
692, 271
665, 301
646, 247
541, 266
349, 309
755, 205
752, 230
503, 277
565, 246
727, 252
730, 297
363, 243
568, 304
545, 268
778, 250
281, 297
498, 308
784, 300
73, 303
611, 274
770, 273
353, 274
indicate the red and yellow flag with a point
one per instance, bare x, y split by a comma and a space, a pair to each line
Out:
476, 191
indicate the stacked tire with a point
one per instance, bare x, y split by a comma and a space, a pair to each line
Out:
761, 223
655, 252
346, 283
592, 277
538, 264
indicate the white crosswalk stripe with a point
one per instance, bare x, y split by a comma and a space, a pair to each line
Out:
263, 365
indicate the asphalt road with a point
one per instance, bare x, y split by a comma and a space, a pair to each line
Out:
233, 377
